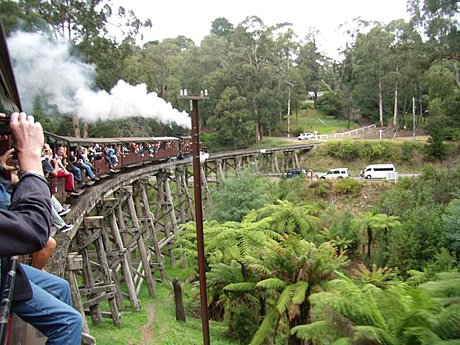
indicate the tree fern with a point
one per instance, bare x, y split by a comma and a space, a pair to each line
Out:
365, 334
319, 331
299, 292
284, 299
272, 283
240, 287
266, 328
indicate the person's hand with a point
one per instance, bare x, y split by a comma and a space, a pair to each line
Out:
3, 137
28, 141
6, 160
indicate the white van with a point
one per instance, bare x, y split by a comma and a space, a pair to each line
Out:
385, 171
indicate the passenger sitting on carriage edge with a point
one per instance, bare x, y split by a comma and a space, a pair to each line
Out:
40, 298
69, 164
79, 163
56, 168
111, 157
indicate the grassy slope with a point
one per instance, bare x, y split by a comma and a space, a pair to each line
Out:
310, 120
155, 324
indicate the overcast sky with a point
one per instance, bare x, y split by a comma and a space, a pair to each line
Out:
193, 19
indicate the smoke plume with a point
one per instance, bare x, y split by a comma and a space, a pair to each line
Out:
46, 69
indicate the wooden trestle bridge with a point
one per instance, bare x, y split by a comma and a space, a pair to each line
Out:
124, 227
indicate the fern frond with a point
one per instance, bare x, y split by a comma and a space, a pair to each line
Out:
284, 299
266, 329
240, 287
416, 277
299, 292
341, 341
449, 322
272, 284
374, 334
319, 330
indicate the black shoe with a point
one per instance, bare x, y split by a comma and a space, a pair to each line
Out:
66, 228
64, 211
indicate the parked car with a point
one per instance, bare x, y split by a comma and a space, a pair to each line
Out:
337, 173
378, 171
305, 136
291, 173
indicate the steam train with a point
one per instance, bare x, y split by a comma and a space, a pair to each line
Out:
129, 152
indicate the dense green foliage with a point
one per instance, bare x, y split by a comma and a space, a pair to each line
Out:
253, 71
272, 271
239, 195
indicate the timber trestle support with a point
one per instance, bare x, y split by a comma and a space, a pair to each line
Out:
125, 229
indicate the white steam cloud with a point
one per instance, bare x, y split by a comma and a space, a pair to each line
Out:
45, 68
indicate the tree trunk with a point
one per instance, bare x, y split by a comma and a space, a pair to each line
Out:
257, 121
369, 244
395, 115
381, 102
85, 129
302, 319
75, 126
180, 313
289, 114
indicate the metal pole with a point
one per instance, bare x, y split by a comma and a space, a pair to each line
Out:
199, 218
413, 116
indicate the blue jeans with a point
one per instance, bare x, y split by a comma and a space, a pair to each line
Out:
76, 173
89, 171
50, 309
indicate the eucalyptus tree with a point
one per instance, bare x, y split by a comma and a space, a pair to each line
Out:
80, 20
370, 67
232, 120
440, 21
286, 49
254, 70
153, 65
237, 196
14, 17
86, 24
221, 27
408, 60
311, 63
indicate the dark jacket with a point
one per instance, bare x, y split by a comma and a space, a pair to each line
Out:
24, 228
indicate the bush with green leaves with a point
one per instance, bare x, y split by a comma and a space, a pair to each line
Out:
436, 147
348, 186
329, 103
451, 222
236, 196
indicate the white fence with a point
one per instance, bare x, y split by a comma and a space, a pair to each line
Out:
355, 131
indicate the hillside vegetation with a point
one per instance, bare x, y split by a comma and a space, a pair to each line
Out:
392, 238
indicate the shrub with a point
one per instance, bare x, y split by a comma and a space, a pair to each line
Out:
436, 147
296, 131
407, 151
237, 196
345, 150
348, 187
321, 187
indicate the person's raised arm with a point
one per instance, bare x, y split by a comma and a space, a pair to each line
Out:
24, 228
28, 141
